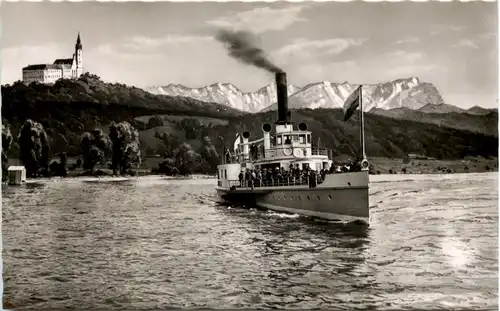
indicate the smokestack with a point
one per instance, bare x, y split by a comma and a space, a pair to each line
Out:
282, 94
246, 147
266, 128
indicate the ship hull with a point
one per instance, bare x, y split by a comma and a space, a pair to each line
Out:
332, 201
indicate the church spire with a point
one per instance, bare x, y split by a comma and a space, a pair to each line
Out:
78, 45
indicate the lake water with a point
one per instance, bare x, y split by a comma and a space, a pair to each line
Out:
157, 243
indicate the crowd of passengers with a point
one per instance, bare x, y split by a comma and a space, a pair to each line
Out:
293, 176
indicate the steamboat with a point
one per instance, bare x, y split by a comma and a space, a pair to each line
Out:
282, 172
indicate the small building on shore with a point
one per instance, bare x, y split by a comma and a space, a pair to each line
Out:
414, 156
16, 175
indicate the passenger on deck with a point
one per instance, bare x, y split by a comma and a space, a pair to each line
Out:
227, 155
247, 177
355, 166
258, 178
240, 177
297, 172
312, 179
254, 177
323, 173
267, 177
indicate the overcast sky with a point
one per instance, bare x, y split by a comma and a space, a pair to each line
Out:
452, 45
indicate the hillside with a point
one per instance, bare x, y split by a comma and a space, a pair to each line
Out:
67, 109
442, 108
90, 89
480, 110
90, 92
385, 137
486, 124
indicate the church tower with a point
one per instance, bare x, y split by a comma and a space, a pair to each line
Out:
78, 57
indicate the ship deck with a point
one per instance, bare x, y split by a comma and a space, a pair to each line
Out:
265, 185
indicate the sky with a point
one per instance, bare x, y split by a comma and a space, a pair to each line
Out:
452, 45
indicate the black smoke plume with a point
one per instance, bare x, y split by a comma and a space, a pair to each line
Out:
242, 46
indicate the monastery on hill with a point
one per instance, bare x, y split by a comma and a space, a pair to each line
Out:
68, 68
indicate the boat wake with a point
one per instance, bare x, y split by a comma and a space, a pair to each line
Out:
252, 210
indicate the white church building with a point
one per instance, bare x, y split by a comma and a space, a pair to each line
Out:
68, 68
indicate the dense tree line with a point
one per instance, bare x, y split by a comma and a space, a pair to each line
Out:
119, 150
121, 145
181, 158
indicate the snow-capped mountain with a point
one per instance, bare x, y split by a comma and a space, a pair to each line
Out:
409, 93
226, 93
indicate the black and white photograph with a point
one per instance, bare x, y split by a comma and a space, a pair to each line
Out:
249, 155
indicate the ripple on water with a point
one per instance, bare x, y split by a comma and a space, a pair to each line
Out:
157, 243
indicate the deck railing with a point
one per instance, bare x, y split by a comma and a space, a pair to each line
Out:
269, 154
323, 152
277, 182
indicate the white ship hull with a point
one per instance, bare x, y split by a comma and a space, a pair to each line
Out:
339, 197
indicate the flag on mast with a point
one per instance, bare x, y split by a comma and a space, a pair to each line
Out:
236, 142
352, 103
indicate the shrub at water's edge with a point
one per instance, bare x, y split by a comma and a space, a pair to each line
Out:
6, 144
95, 145
34, 149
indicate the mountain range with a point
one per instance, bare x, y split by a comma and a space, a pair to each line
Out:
410, 93
227, 94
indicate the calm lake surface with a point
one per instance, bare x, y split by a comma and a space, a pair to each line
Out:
158, 243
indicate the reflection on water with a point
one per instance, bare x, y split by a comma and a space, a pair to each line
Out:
155, 243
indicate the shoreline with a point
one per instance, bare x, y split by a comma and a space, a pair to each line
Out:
375, 178
380, 166
432, 166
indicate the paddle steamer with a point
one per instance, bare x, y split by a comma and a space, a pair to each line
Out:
334, 195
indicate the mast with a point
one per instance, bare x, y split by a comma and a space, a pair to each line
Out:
223, 158
362, 119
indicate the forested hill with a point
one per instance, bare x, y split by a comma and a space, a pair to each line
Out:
69, 108
385, 136
90, 98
